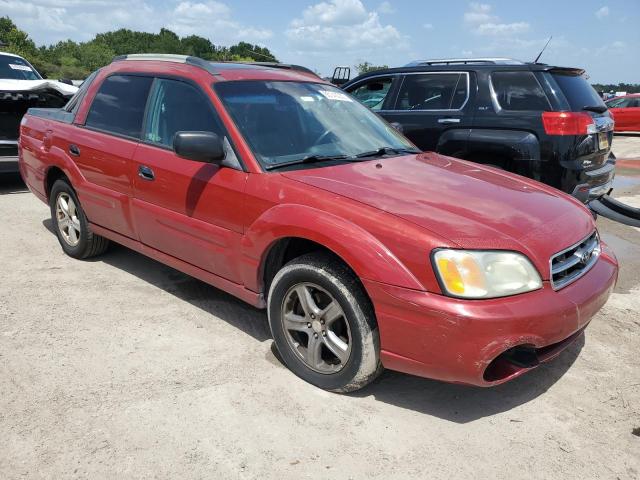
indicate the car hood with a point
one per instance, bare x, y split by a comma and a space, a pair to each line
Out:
473, 206
12, 85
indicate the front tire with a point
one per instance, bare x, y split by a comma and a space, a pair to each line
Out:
323, 324
71, 225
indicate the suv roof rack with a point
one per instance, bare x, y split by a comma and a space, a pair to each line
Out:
210, 66
465, 61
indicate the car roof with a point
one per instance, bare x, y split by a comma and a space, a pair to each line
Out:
228, 71
465, 67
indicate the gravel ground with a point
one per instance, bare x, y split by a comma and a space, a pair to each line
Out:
121, 367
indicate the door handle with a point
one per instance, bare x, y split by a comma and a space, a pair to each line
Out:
74, 150
448, 120
145, 173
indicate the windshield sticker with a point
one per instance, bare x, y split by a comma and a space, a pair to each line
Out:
307, 99
14, 66
339, 96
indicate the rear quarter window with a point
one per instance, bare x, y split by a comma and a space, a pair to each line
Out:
578, 92
518, 91
119, 105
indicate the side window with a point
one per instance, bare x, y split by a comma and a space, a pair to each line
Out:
373, 92
177, 106
619, 103
119, 105
635, 103
433, 91
519, 91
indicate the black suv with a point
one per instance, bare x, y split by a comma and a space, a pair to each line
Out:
540, 121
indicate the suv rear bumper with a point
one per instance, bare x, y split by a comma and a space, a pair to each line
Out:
481, 342
595, 183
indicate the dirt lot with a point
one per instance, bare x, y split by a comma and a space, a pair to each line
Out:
124, 368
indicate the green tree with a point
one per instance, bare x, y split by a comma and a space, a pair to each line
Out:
69, 59
366, 67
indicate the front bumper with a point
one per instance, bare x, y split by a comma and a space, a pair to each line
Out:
455, 340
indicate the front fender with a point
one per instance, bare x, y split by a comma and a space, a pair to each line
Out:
365, 254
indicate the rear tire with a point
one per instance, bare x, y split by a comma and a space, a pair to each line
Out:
71, 225
323, 324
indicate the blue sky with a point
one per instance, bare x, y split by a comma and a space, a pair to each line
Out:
601, 36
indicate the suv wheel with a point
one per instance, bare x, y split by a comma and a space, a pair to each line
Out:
323, 324
71, 225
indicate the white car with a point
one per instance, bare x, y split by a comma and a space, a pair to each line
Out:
22, 87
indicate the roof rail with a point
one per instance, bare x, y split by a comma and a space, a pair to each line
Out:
465, 61
209, 66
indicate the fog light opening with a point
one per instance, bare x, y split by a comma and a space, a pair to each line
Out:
511, 362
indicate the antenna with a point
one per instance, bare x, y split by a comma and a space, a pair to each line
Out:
543, 49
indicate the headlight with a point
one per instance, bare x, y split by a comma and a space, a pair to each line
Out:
484, 274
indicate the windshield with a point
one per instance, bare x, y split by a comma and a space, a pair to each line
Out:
578, 91
16, 68
288, 121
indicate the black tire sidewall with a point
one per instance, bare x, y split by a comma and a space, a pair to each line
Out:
76, 251
300, 273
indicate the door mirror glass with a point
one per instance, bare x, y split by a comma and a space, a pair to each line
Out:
204, 147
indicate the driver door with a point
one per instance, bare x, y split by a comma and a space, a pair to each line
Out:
187, 209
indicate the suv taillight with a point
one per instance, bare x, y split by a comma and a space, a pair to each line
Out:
568, 123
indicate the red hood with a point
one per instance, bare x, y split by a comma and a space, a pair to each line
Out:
471, 205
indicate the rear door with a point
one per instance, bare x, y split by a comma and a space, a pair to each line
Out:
103, 149
429, 104
187, 209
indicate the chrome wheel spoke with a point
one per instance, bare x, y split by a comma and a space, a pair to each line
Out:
337, 346
295, 322
71, 207
314, 351
307, 302
73, 235
331, 313
64, 206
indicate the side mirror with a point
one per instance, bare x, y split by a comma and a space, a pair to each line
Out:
204, 147
66, 80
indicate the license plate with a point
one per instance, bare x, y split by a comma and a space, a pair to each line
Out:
603, 141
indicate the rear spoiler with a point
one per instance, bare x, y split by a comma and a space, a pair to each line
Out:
576, 72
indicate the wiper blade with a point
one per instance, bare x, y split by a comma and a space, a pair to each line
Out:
595, 108
307, 159
385, 151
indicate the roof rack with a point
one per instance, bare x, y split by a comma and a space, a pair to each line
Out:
465, 61
209, 66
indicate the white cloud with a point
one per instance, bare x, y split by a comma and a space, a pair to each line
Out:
602, 12
502, 28
342, 25
386, 8
479, 13
49, 21
212, 20
481, 19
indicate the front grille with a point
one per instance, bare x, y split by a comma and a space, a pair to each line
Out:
570, 264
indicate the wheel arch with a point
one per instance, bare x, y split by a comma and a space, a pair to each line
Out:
288, 230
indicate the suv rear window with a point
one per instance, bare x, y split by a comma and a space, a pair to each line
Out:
578, 91
119, 105
433, 91
519, 91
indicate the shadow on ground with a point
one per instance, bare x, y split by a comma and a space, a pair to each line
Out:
455, 403
11, 183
